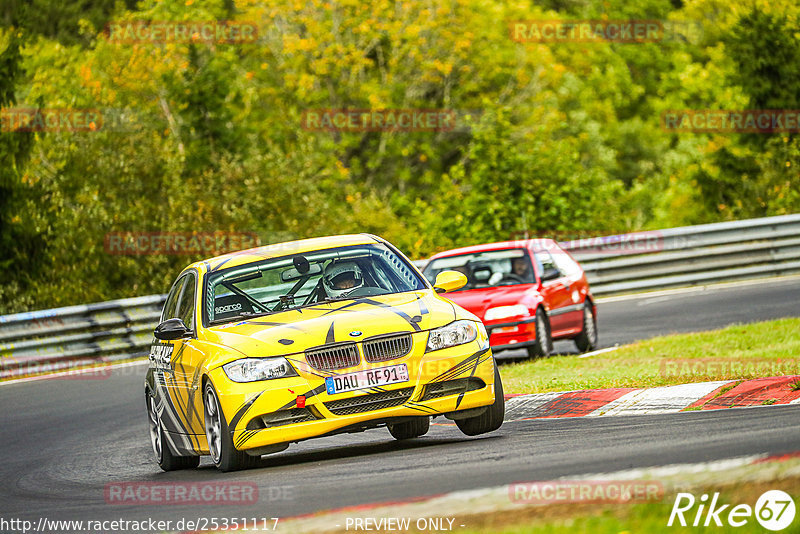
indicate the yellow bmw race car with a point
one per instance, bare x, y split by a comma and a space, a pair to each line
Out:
264, 347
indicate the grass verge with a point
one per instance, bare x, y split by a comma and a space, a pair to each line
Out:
755, 350
631, 518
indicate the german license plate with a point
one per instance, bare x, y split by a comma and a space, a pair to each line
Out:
366, 379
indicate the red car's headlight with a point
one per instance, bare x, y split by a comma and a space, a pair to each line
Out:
504, 312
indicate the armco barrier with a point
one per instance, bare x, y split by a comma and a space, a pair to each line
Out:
65, 337
692, 255
695, 255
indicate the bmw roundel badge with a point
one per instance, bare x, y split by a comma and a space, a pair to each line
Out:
355, 333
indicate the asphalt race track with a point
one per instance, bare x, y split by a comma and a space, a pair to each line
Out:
626, 320
63, 440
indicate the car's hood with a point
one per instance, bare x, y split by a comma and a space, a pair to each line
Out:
294, 331
478, 301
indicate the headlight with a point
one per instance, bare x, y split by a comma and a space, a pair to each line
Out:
456, 333
252, 369
503, 312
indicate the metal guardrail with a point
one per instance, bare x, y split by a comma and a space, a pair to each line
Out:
64, 338
692, 255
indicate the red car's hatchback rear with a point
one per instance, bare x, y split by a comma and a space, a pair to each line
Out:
527, 293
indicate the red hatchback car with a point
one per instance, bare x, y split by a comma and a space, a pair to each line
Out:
527, 293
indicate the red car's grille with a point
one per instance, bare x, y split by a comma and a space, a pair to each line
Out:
387, 348
329, 357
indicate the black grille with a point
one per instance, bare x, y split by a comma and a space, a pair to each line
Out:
281, 418
330, 357
387, 348
452, 387
371, 402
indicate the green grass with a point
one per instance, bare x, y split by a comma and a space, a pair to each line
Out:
754, 350
630, 518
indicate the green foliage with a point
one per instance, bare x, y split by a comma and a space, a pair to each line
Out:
207, 137
21, 245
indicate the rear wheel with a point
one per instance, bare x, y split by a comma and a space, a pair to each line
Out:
543, 345
220, 443
167, 461
415, 428
587, 339
492, 418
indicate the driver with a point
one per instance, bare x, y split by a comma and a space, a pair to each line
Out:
341, 278
519, 267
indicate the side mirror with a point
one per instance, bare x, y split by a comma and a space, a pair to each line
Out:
550, 274
171, 329
447, 281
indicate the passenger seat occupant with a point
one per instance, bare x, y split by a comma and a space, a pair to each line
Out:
341, 278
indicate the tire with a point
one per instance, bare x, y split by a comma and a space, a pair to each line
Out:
587, 339
415, 428
220, 443
167, 461
543, 345
492, 418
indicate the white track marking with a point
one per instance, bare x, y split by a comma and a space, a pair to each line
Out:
600, 351
72, 372
524, 405
665, 399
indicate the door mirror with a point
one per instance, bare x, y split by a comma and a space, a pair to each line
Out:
172, 329
447, 281
550, 274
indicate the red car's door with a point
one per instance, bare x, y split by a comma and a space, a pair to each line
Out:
557, 294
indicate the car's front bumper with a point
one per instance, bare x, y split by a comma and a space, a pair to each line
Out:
505, 335
246, 405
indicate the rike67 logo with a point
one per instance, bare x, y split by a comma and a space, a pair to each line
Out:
774, 510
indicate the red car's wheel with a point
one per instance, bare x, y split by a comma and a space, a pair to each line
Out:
587, 339
543, 345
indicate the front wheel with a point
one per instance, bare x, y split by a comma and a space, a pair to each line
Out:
415, 428
543, 345
220, 443
492, 418
167, 461
587, 339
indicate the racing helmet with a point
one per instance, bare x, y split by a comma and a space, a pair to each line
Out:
342, 277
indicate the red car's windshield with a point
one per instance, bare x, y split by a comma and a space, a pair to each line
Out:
486, 269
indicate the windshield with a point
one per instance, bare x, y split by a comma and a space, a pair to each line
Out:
486, 269
289, 282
